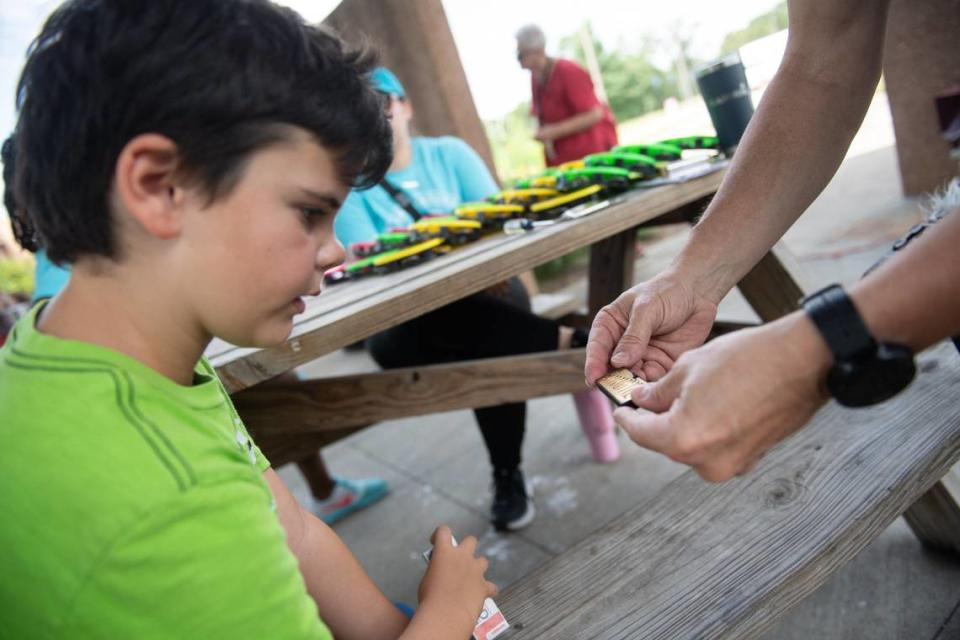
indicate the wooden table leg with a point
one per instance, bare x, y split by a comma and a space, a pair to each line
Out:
935, 517
611, 269
775, 286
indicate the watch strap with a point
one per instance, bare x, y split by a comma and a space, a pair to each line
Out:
839, 322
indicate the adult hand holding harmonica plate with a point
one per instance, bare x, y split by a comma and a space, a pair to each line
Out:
722, 406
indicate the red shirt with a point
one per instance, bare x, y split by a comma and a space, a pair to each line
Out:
567, 92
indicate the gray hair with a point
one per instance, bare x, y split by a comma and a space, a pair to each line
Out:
531, 38
943, 201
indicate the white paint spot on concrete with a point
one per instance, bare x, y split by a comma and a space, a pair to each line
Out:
555, 494
563, 500
426, 495
497, 547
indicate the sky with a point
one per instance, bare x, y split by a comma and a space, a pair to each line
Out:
488, 51
484, 37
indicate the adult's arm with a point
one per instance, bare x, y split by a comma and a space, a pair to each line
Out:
793, 146
581, 98
574, 124
725, 404
795, 141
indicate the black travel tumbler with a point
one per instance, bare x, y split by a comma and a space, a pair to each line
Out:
723, 85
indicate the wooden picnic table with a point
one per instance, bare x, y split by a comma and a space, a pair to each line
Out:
349, 312
701, 560
290, 420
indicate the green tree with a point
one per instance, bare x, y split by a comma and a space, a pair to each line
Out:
515, 152
635, 84
763, 25
16, 276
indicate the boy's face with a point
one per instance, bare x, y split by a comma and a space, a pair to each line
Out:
249, 258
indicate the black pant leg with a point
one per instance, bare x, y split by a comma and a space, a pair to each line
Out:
503, 428
480, 326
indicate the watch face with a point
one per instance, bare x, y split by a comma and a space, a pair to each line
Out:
863, 382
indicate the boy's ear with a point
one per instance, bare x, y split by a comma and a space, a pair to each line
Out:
146, 185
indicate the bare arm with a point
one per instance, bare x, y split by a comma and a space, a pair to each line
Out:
451, 593
574, 124
347, 599
912, 298
725, 404
795, 141
794, 144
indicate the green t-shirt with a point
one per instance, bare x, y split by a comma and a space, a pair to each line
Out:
134, 507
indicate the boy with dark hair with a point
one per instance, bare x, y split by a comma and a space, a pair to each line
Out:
187, 157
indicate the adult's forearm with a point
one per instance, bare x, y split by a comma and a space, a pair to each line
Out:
792, 148
914, 298
795, 141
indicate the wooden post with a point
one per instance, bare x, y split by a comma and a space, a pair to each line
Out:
611, 269
920, 62
414, 41
935, 517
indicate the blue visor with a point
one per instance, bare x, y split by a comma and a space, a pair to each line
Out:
383, 80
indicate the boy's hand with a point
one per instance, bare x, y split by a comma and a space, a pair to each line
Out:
454, 583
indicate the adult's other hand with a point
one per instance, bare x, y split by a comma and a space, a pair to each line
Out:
725, 404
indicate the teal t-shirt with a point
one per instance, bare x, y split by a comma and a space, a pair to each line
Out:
134, 507
443, 174
49, 278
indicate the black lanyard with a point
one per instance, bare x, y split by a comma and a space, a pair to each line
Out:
401, 199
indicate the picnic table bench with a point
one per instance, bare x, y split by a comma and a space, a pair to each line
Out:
704, 560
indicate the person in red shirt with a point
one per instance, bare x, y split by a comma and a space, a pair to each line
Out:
573, 122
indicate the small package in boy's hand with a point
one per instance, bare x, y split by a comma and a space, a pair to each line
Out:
618, 385
491, 622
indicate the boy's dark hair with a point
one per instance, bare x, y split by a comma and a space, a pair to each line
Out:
218, 77
22, 229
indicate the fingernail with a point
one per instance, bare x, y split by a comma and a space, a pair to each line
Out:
619, 358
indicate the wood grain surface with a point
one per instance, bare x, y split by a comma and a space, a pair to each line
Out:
292, 417
725, 561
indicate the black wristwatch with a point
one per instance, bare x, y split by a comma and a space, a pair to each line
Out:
865, 371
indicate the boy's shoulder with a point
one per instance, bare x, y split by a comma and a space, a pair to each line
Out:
105, 462
72, 414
